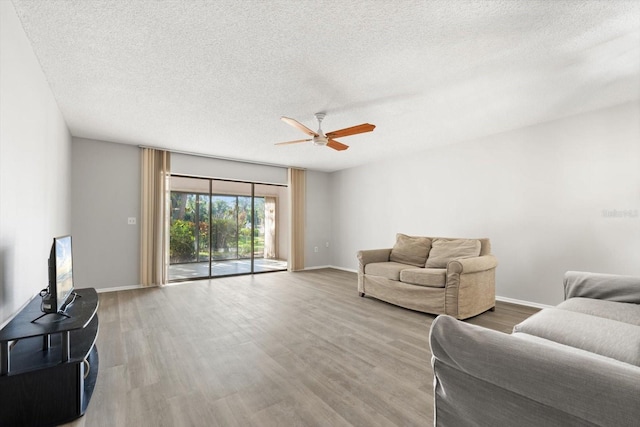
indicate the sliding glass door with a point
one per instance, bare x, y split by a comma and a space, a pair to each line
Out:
221, 228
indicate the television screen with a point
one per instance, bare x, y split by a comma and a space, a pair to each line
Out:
64, 270
60, 273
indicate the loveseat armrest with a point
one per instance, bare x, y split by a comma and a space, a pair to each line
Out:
471, 286
472, 265
534, 381
609, 287
372, 255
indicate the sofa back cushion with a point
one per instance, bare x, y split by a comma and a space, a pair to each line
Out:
445, 250
410, 250
607, 337
620, 311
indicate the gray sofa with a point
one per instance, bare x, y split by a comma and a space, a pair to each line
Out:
437, 275
577, 364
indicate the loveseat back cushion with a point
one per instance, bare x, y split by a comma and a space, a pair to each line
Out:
410, 250
388, 270
445, 250
429, 277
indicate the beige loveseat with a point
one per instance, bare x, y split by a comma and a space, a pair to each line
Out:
437, 275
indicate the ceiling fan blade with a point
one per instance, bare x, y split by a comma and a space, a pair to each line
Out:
297, 124
365, 127
336, 145
294, 142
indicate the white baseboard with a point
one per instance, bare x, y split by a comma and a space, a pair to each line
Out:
331, 266
319, 267
522, 302
344, 269
119, 288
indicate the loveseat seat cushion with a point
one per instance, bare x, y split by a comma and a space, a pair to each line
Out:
410, 250
390, 270
607, 337
444, 250
620, 311
429, 277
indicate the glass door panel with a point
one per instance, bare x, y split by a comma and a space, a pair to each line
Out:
221, 228
182, 228
189, 243
271, 231
245, 227
231, 227
203, 202
259, 227
224, 227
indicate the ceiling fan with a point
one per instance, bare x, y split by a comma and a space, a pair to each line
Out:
321, 138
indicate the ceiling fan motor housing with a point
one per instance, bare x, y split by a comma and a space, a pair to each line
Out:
320, 139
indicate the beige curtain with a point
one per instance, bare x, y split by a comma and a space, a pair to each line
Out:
154, 221
297, 185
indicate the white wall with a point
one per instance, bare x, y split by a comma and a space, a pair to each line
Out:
35, 153
539, 193
105, 193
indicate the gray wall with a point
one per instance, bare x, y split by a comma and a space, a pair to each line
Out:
105, 193
35, 155
318, 220
226, 169
539, 193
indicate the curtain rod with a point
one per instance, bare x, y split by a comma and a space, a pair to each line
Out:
211, 156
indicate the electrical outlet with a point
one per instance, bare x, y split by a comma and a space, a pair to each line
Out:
131, 220
315, 249
327, 244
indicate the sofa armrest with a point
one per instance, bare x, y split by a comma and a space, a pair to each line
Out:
537, 382
372, 255
609, 287
472, 265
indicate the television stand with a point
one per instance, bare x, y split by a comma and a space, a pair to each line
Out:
43, 364
61, 313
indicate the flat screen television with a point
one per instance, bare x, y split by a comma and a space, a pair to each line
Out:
60, 276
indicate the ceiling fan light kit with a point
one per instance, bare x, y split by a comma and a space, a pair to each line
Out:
320, 138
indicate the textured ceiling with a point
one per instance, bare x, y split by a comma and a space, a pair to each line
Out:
214, 77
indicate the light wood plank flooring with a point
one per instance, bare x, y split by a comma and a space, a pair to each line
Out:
278, 349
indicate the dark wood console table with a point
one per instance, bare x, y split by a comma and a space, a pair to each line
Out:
48, 368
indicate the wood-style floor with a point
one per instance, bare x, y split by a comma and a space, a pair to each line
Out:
277, 349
